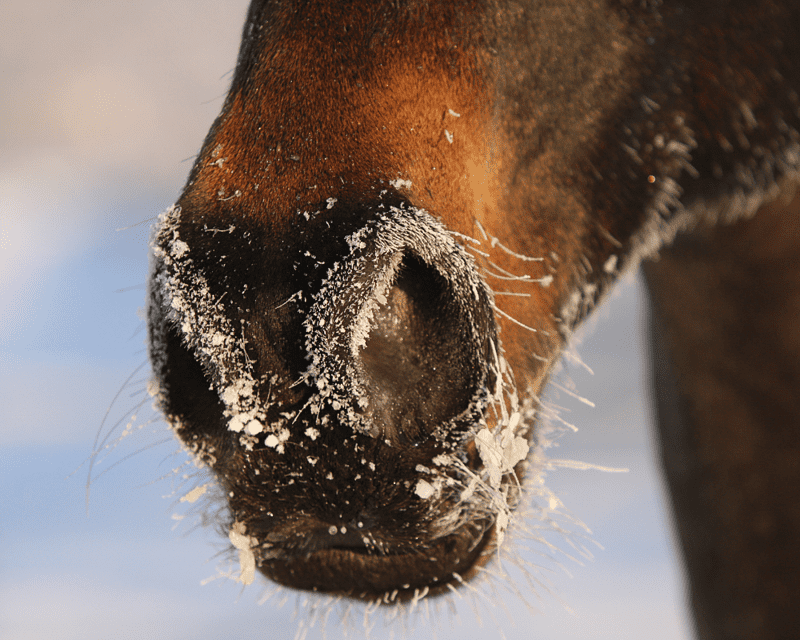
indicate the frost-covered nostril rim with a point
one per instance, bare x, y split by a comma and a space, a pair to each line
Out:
348, 306
181, 295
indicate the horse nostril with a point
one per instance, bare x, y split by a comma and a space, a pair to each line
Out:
414, 364
401, 334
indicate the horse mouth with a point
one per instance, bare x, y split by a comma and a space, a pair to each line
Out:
390, 574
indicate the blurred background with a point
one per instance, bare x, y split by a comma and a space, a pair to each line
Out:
102, 106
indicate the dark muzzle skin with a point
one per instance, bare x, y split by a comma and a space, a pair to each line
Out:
393, 227
340, 427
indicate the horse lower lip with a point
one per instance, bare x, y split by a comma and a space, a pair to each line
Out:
360, 574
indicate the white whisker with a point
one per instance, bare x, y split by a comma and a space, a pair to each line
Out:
514, 320
573, 394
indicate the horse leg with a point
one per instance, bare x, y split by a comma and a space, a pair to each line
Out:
725, 336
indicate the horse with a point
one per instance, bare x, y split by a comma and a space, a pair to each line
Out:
400, 216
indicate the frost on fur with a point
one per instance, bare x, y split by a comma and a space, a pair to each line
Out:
204, 325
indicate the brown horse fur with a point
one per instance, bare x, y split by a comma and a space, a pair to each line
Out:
323, 325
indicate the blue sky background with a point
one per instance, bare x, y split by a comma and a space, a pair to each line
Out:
101, 105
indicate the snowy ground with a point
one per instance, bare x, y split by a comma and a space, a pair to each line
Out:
99, 107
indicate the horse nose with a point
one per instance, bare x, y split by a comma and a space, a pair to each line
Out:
401, 334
